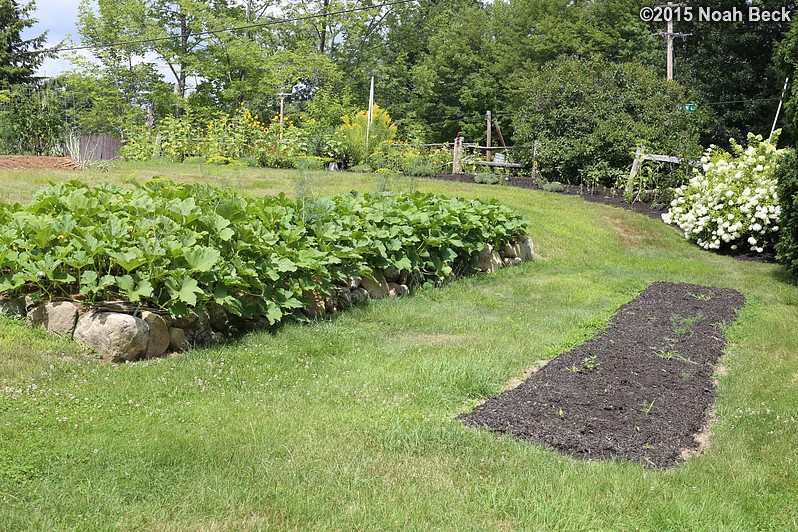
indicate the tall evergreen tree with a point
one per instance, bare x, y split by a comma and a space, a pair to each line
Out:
19, 57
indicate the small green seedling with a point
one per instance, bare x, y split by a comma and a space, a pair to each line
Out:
573, 368
561, 413
647, 408
647, 446
671, 355
590, 363
701, 297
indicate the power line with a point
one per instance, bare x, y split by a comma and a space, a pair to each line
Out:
57, 50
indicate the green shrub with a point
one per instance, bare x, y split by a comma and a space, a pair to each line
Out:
178, 246
787, 191
348, 144
732, 202
194, 160
486, 178
585, 117
554, 186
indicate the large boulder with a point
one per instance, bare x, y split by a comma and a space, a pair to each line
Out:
58, 317
114, 336
315, 304
158, 341
177, 340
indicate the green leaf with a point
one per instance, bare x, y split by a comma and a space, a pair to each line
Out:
184, 289
202, 259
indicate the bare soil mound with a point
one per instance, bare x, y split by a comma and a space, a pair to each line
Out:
642, 390
16, 162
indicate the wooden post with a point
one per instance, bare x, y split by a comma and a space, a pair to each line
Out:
499, 131
458, 147
488, 132
636, 164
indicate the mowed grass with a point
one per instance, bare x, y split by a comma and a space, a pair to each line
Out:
351, 423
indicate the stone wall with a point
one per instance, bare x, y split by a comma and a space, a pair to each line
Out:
120, 331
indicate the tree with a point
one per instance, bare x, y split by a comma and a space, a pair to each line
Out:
586, 116
19, 58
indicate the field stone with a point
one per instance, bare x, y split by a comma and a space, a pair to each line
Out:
159, 334
117, 337
58, 317
391, 274
13, 307
184, 322
509, 252
315, 307
177, 340
488, 259
330, 305
527, 249
376, 287
359, 295
393, 289
403, 290
199, 332
343, 298
516, 261
354, 282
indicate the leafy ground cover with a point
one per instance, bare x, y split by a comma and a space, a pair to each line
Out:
352, 423
180, 246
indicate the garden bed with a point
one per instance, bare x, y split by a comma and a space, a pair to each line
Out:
642, 390
16, 162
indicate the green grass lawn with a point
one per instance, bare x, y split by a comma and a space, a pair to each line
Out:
350, 424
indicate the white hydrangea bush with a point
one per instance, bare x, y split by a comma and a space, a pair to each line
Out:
731, 203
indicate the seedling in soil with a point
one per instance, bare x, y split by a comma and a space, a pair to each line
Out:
701, 297
647, 446
682, 326
561, 414
671, 355
686, 375
573, 368
590, 363
647, 407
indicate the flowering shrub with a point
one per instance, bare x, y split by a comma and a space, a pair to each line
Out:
732, 202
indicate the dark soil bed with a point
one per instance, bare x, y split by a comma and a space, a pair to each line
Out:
642, 390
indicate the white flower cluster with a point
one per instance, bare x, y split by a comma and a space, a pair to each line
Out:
731, 203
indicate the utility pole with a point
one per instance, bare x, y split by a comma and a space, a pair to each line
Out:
670, 35
282, 96
488, 133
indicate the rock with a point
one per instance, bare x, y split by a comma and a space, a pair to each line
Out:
13, 307
343, 298
527, 249
391, 274
507, 262
330, 305
220, 319
517, 250
403, 290
376, 287
354, 282
57, 317
177, 340
358, 295
509, 252
393, 289
158, 341
117, 337
488, 260
516, 261
217, 337
314, 304
184, 322
199, 333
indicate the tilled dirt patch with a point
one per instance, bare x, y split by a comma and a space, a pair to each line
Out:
642, 390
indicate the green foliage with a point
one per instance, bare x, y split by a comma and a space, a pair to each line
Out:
787, 191
587, 116
20, 55
348, 145
486, 178
32, 123
732, 202
409, 159
180, 246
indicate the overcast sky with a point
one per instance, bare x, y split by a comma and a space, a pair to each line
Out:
58, 18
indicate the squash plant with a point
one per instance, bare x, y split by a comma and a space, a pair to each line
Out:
179, 246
